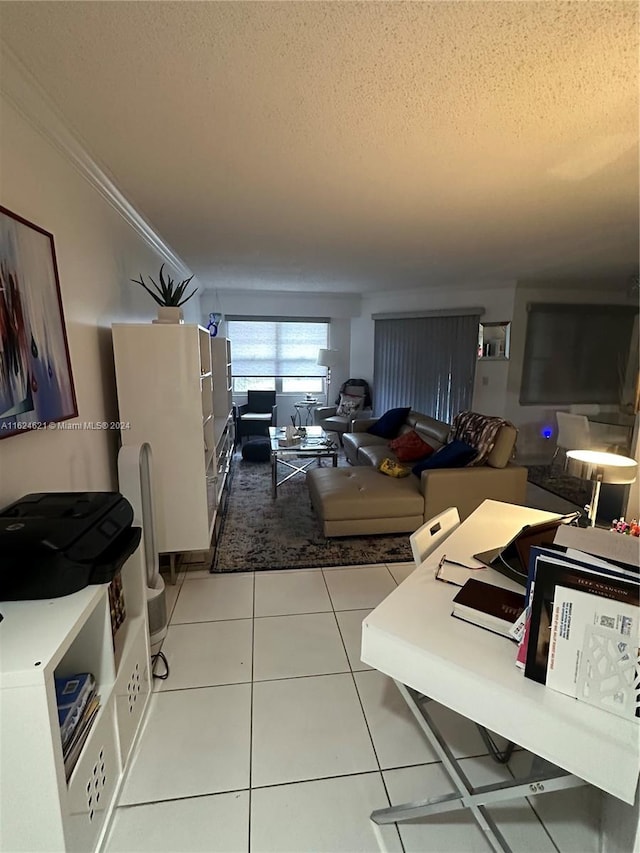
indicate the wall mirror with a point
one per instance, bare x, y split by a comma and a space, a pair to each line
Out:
494, 340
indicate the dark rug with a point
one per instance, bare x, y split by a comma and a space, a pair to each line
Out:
554, 480
260, 533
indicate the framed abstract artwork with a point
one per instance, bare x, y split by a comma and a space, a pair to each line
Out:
36, 383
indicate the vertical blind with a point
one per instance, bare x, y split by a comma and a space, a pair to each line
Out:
427, 363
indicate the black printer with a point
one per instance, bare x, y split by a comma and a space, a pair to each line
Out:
55, 543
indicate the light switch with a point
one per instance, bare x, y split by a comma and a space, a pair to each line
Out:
485, 380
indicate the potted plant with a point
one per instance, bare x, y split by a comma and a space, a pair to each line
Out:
169, 296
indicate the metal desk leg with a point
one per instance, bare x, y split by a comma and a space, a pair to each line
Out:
549, 778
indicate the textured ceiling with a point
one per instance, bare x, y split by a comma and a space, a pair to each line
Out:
357, 146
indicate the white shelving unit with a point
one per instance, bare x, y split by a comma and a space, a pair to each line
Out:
167, 393
39, 640
222, 410
221, 364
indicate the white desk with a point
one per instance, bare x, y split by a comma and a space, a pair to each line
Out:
412, 638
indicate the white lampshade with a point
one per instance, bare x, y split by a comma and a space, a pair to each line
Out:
600, 467
327, 357
606, 467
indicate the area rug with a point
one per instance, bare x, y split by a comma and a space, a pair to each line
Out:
553, 480
259, 533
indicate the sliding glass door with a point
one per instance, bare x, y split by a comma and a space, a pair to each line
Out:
427, 363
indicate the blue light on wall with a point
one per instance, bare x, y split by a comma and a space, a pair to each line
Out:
547, 432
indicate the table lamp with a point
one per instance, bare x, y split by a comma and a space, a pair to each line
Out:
327, 358
600, 468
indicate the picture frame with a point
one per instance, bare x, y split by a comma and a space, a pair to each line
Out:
36, 380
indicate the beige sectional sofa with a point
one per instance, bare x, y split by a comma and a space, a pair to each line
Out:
359, 500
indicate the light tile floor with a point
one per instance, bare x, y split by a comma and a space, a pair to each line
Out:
270, 734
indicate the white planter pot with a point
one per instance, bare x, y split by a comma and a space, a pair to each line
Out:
169, 314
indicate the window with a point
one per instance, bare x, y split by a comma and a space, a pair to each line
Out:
278, 355
576, 353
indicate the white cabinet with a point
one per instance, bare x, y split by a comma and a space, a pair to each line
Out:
222, 410
165, 384
222, 379
40, 640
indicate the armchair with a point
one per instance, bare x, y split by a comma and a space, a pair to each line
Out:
354, 402
256, 415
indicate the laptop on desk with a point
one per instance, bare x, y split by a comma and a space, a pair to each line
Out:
512, 559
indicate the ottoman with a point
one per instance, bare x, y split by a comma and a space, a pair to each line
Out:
256, 450
362, 501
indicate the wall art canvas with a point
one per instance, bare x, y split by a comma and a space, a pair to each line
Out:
36, 383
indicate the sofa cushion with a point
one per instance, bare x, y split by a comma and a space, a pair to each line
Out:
388, 425
456, 454
353, 441
373, 454
409, 447
359, 493
434, 432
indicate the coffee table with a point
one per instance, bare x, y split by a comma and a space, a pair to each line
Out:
313, 446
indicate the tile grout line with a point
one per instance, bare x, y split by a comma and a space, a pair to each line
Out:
265, 787
253, 634
364, 716
530, 802
384, 781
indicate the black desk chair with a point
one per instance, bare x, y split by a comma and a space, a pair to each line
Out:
256, 415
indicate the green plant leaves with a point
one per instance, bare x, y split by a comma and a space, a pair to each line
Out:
168, 292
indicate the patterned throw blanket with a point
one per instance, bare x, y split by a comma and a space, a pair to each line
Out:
480, 431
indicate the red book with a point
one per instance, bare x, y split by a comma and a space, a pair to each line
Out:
488, 606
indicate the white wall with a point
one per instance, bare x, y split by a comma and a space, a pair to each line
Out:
97, 252
352, 327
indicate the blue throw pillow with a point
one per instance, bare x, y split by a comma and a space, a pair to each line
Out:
456, 454
389, 424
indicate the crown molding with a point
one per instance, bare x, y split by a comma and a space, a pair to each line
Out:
24, 92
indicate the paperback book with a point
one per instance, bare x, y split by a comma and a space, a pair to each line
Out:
488, 606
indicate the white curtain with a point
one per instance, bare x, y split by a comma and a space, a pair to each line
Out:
277, 347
